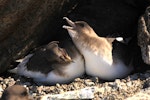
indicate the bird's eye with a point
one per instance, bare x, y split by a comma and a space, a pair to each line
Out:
81, 24
24, 93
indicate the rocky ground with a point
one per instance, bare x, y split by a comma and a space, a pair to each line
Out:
133, 87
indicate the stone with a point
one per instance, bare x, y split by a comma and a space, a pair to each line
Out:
144, 35
27, 24
85, 93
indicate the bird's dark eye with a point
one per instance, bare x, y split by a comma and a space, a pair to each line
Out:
81, 24
24, 93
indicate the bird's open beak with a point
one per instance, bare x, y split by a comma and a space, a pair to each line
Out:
71, 23
68, 58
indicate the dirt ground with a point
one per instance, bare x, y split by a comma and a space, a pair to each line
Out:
135, 86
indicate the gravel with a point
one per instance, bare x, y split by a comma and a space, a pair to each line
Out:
135, 86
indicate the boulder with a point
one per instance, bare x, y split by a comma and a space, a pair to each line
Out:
25, 24
144, 35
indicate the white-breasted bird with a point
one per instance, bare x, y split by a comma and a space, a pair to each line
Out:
105, 58
51, 64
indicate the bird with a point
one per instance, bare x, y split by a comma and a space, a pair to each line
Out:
15, 92
105, 57
51, 64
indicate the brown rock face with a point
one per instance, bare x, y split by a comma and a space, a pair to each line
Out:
144, 35
24, 25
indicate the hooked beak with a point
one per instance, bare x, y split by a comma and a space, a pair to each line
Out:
66, 58
71, 23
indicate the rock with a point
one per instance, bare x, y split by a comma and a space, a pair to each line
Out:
89, 82
86, 93
147, 83
144, 35
27, 24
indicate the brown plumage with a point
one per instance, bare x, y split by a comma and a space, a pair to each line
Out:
51, 64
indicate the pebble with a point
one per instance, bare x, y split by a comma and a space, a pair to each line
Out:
58, 85
89, 83
129, 84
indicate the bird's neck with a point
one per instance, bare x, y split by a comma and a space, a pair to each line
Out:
98, 45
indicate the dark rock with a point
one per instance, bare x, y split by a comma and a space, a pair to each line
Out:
27, 24
144, 35
146, 84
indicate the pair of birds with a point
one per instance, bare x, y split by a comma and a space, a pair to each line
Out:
97, 56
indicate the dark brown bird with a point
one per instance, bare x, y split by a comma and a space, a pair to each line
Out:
51, 64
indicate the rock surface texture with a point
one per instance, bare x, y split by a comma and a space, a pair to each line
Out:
144, 35
26, 24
